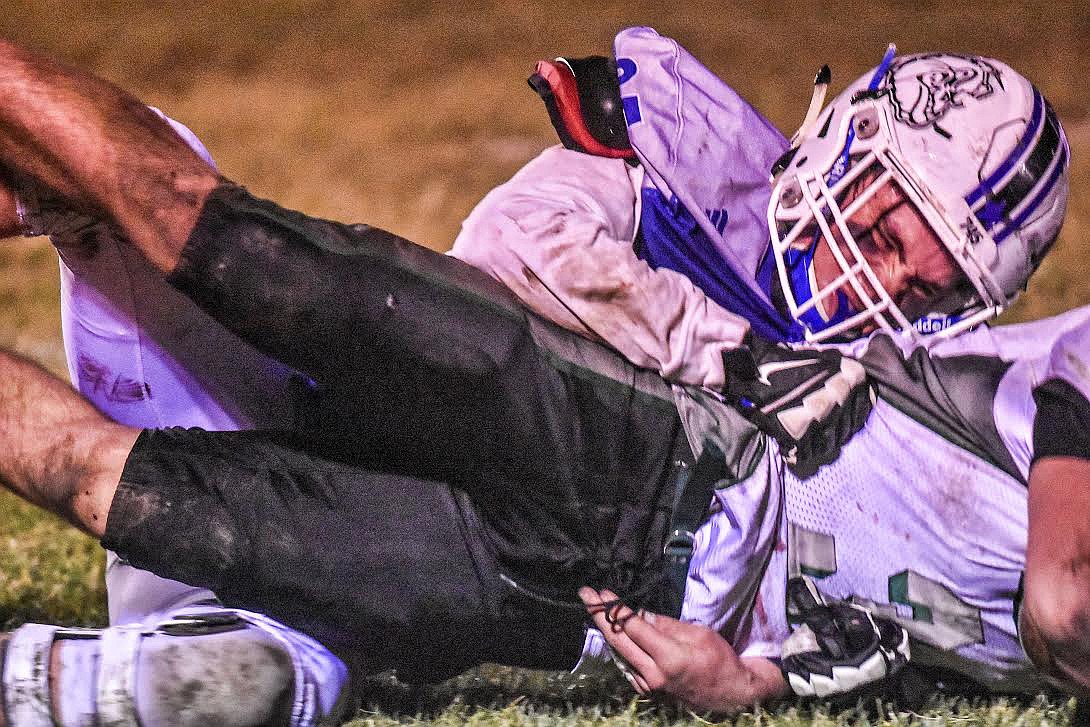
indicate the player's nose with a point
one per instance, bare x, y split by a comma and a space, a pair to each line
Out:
892, 273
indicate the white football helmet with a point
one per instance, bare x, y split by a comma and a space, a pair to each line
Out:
969, 142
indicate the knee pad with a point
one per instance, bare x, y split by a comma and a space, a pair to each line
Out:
193, 666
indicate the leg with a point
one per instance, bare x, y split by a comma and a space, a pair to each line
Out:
102, 149
58, 452
430, 367
146, 356
392, 571
335, 301
182, 668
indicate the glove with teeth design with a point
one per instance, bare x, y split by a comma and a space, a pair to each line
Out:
811, 402
840, 649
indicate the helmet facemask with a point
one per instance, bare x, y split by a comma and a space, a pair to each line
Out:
836, 204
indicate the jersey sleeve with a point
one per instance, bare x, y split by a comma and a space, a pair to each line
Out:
1041, 406
560, 234
982, 390
1062, 426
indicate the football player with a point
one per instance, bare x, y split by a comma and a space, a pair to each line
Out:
144, 366
979, 450
145, 356
983, 444
502, 383
668, 260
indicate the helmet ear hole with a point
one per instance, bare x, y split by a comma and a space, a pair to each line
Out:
866, 123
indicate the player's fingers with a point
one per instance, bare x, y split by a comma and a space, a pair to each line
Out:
610, 621
634, 678
617, 613
639, 684
672, 628
630, 658
643, 630
609, 615
650, 630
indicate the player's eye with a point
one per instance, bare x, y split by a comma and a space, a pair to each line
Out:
926, 289
869, 239
861, 233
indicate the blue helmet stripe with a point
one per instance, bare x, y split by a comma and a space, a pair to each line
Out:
1027, 178
1030, 208
840, 167
986, 187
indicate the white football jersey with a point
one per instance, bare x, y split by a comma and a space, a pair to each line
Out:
923, 517
922, 531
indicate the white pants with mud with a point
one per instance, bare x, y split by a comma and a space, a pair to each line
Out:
145, 356
199, 665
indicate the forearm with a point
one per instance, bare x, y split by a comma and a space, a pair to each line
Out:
720, 682
758, 682
1054, 623
102, 149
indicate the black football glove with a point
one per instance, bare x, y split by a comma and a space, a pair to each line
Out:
811, 402
840, 649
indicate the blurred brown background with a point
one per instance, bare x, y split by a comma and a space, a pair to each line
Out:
403, 114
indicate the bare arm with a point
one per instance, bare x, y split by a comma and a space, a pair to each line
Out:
688, 662
1054, 622
102, 149
9, 217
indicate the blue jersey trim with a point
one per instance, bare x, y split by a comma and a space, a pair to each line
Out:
671, 238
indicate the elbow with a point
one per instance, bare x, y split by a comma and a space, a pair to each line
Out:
1057, 628
1054, 627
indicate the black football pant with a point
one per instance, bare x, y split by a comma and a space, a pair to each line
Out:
460, 469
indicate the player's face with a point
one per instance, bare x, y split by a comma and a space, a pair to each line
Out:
902, 249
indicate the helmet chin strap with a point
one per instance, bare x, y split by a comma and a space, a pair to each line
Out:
800, 275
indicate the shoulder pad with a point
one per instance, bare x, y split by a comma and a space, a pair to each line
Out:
584, 102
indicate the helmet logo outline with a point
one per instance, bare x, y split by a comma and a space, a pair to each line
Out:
922, 89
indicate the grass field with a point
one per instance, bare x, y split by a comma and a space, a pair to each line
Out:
403, 114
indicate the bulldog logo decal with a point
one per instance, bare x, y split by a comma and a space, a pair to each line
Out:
922, 89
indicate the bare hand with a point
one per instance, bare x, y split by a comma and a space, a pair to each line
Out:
689, 662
